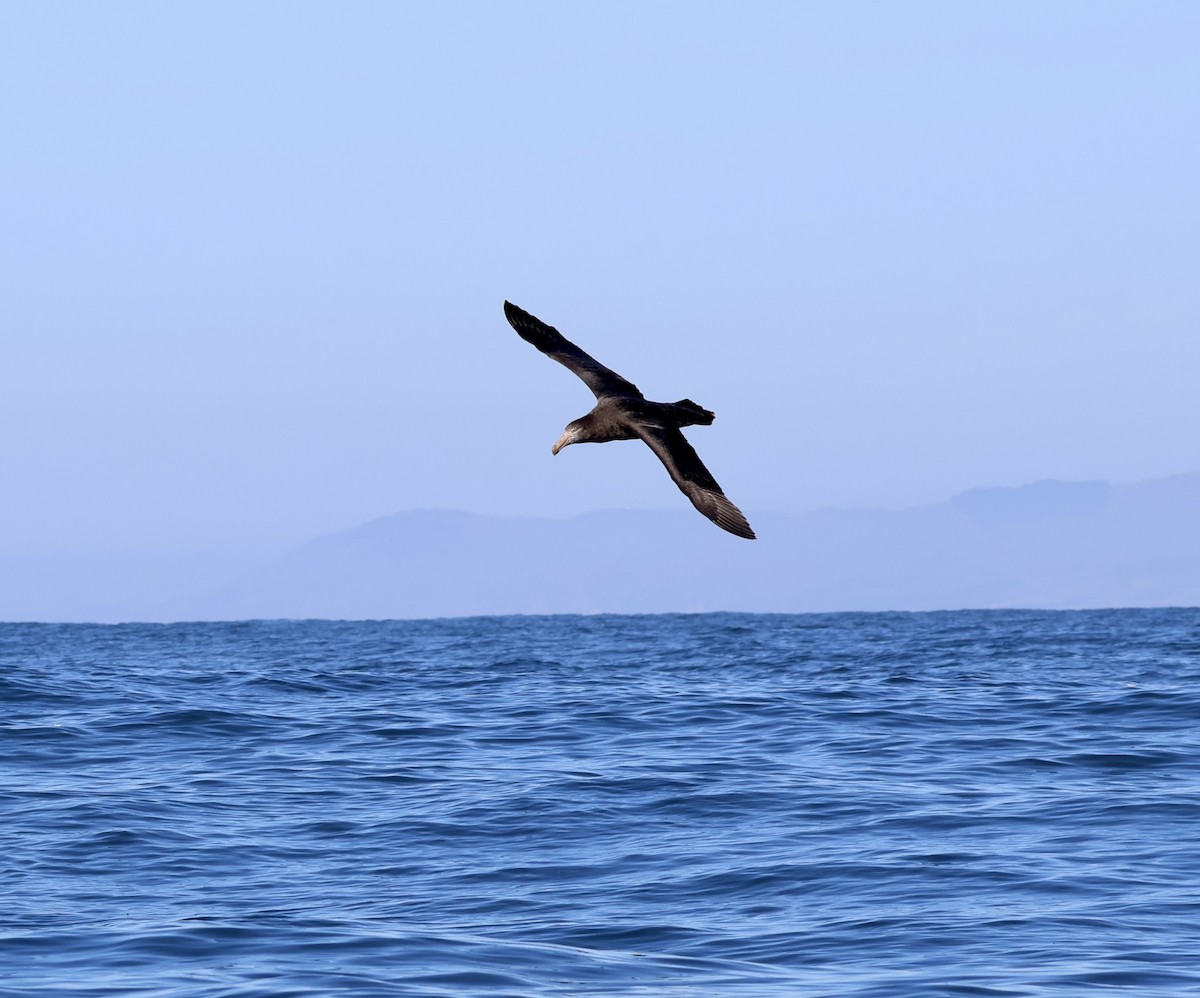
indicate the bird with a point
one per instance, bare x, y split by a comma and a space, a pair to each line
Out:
624, 413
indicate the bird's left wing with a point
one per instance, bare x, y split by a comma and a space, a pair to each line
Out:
553, 344
693, 479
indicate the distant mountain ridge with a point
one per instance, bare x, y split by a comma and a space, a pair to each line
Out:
1050, 544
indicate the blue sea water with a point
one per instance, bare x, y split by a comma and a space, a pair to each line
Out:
968, 803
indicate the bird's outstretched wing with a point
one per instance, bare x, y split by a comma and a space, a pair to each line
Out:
553, 344
693, 479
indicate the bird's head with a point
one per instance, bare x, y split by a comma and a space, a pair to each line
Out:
569, 436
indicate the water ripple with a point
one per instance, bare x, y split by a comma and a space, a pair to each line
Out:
853, 804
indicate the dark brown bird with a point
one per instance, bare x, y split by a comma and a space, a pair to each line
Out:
623, 413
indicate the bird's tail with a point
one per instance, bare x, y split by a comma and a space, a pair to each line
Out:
690, 414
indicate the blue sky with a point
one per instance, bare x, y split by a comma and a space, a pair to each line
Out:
254, 256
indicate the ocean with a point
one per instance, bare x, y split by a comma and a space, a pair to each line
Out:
962, 803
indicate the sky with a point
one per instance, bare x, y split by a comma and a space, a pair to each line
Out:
253, 256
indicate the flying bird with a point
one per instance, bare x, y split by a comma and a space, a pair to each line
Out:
624, 413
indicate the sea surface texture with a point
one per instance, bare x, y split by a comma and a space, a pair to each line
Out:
968, 803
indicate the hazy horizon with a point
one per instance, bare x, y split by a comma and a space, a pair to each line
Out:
1050, 544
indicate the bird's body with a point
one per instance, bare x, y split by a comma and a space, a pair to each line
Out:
623, 413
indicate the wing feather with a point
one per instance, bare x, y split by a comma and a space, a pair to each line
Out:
553, 344
693, 479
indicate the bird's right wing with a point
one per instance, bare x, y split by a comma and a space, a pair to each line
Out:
693, 479
553, 344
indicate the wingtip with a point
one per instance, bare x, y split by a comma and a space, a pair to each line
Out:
734, 520
742, 529
728, 517
516, 316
